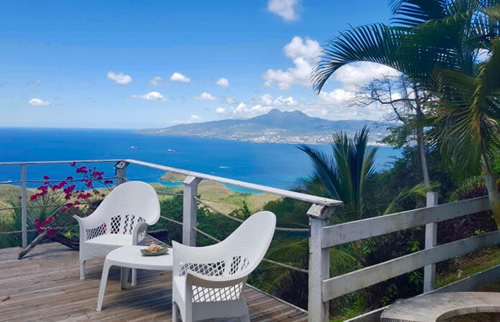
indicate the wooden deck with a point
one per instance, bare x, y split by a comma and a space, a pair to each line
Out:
45, 286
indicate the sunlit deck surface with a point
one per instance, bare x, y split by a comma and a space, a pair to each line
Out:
45, 285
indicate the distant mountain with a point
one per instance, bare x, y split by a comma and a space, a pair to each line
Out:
275, 126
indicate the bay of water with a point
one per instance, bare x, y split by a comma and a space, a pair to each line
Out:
271, 164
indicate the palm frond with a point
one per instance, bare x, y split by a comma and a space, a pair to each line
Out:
413, 12
468, 111
324, 169
375, 43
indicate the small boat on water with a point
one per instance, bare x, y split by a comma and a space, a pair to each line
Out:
134, 147
171, 150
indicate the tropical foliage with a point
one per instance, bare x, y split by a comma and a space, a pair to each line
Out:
346, 175
449, 49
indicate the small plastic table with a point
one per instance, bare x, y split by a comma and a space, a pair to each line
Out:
128, 257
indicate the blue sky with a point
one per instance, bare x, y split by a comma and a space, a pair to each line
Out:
143, 64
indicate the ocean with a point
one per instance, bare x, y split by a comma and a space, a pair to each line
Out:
271, 164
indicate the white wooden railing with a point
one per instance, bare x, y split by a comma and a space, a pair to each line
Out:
324, 288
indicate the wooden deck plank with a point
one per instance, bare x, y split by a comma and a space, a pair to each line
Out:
45, 286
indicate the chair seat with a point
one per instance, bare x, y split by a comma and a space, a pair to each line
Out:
112, 240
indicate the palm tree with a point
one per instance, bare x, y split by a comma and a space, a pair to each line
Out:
428, 36
469, 110
346, 174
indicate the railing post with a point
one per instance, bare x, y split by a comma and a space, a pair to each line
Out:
190, 207
430, 241
121, 172
319, 263
24, 207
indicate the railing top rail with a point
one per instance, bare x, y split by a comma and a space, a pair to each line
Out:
60, 162
247, 185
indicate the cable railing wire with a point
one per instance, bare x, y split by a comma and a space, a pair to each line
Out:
298, 269
171, 220
206, 204
166, 193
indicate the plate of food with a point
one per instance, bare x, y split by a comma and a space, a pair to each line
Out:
154, 250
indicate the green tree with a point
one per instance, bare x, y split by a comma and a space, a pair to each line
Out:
443, 38
346, 174
469, 110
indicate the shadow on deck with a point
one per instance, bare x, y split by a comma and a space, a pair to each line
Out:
45, 285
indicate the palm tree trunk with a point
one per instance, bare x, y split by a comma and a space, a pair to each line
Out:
423, 157
420, 139
491, 185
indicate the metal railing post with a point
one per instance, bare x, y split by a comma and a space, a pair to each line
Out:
319, 263
24, 207
430, 241
121, 172
190, 207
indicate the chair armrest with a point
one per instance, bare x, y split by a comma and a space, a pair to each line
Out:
197, 279
139, 232
81, 222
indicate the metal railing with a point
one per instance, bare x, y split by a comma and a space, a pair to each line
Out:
191, 202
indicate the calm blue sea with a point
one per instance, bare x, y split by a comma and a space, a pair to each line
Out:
272, 164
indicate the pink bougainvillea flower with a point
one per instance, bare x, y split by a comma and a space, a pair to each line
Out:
83, 169
108, 181
51, 232
73, 163
37, 220
46, 178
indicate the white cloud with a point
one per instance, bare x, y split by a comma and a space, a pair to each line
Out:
151, 96
230, 100
194, 118
282, 101
357, 74
336, 97
223, 82
220, 110
156, 80
305, 53
308, 49
242, 111
178, 77
286, 9
205, 97
267, 99
482, 55
38, 102
120, 78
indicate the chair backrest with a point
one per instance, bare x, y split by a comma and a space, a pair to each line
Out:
234, 258
248, 244
128, 204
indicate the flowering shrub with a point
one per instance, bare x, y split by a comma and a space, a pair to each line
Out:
68, 197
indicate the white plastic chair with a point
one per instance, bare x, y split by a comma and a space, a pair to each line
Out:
208, 281
121, 219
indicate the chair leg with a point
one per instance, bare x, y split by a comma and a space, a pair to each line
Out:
102, 288
175, 312
82, 270
134, 277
